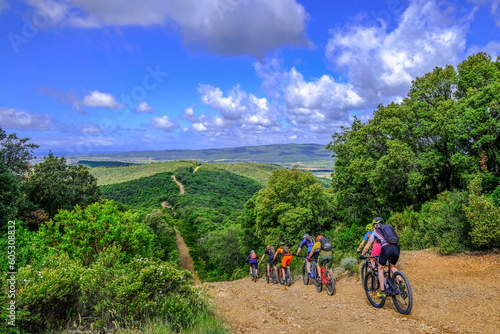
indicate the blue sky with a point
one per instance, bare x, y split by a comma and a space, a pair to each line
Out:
95, 76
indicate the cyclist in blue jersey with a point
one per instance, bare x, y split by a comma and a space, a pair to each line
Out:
309, 243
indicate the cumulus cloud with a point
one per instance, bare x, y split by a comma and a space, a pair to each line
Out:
103, 100
227, 27
22, 120
90, 128
381, 63
144, 108
163, 123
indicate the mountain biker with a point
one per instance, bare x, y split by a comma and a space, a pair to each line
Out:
286, 256
325, 253
309, 242
389, 250
270, 262
376, 245
253, 261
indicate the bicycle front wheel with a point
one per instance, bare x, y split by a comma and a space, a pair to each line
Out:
254, 275
305, 275
330, 285
372, 286
403, 297
274, 276
364, 270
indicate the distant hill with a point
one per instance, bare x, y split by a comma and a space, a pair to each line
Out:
105, 164
281, 154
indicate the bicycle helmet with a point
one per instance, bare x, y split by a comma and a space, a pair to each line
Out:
369, 227
377, 221
305, 235
268, 246
252, 251
319, 237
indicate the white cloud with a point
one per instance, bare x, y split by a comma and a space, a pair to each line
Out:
163, 123
103, 100
381, 64
227, 27
144, 108
22, 120
492, 48
64, 97
90, 128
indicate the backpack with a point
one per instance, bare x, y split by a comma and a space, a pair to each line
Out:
310, 239
325, 244
389, 234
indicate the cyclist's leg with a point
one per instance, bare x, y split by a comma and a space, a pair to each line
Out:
268, 270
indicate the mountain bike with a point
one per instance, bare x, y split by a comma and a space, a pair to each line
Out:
305, 274
367, 265
287, 280
396, 285
253, 275
326, 279
273, 277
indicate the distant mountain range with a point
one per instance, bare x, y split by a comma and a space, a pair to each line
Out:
305, 155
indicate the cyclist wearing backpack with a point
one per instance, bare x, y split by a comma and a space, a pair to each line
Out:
286, 257
253, 261
389, 242
309, 243
325, 253
270, 262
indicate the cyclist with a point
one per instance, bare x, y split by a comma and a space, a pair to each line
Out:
309, 242
270, 262
376, 245
286, 257
325, 253
388, 240
253, 261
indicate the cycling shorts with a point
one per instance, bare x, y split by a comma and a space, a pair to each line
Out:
285, 261
376, 249
327, 259
253, 262
389, 251
271, 262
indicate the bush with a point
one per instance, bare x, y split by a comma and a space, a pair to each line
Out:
483, 217
350, 264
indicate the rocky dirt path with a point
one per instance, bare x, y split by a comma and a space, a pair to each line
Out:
186, 261
452, 294
181, 186
196, 169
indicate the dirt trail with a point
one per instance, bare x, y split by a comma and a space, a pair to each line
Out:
181, 186
196, 169
452, 294
186, 261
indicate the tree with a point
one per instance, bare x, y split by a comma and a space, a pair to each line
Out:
293, 203
438, 138
53, 185
16, 152
10, 195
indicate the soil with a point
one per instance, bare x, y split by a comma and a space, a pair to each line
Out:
181, 186
186, 261
452, 294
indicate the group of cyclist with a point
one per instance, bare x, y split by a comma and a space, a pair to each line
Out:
320, 251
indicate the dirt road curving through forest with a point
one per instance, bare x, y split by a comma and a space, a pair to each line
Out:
452, 294
181, 186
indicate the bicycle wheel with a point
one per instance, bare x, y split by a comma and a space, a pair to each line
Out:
281, 279
288, 276
364, 270
305, 275
372, 286
330, 286
274, 276
267, 277
403, 297
254, 276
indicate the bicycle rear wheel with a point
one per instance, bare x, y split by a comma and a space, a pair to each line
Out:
330, 285
254, 275
372, 286
274, 276
403, 297
267, 278
305, 275
281, 279
288, 276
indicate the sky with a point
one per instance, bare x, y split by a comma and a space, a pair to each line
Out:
98, 76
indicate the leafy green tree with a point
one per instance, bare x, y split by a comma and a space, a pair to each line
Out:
224, 249
16, 152
436, 139
293, 203
53, 186
10, 195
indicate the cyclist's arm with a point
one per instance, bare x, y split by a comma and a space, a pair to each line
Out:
279, 250
316, 246
248, 258
361, 245
370, 241
262, 258
298, 250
